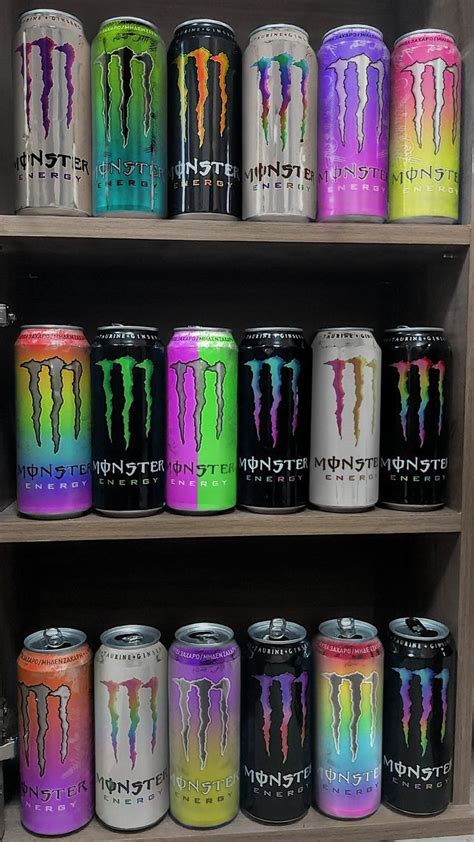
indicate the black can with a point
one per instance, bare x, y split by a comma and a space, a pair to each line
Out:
275, 778
204, 119
128, 421
414, 430
419, 700
274, 384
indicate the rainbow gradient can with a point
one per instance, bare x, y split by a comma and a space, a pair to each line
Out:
425, 128
53, 421
348, 672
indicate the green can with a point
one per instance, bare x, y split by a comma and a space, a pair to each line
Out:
129, 133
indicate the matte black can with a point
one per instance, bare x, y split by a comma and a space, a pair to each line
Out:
419, 702
273, 450
128, 421
414, 429
204, 110
276, 738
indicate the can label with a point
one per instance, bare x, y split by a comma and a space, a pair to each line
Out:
425, 128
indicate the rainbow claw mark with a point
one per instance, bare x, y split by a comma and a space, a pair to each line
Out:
405, 679
444, 678
263, 67
266, 682
423, 365
284, 61
113, 690
403, 368
304, 67
426, 681
133, 690
295, 367
152, 684
441, 368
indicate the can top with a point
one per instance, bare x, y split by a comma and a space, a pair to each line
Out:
204, 22
53, 639
419, 628
206, 635
202, 329
129, 19
128, 327
48, 13
423, 32
52, 327
406, 329
130, 637
274, 329
344, 329
278, 26
347, 628
277, 631
348, 26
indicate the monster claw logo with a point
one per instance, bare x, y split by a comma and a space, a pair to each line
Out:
361, 64
201, 57
358, 365
133, 686
201, 690
126, 60
287, 682
56, 367
198, 369
274, 366
47, 47
424, 366
43, 697
285, 62
355, 683
127, 365
439, 68
426, 678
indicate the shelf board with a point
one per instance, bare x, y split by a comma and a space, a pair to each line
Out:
236, 524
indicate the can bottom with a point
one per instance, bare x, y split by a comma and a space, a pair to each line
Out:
52, 516
264, 510
269, 822
278, 217
122, 829
54, 835
416, 815
124, 214
411, 507
48, 211
425, 220
353, 217
220, 217
341, 509
347, 818
129, 513
203, 827
177, 511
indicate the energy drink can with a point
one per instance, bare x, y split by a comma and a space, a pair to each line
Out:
345, 420
131, 728
414, 445
279, 125
276, 729
204, 711
425, 128
419, 707
349, 687
128, 421
273, 420
51, 115
55, 731
53, 421
353, 96
202, 420
204, 81
129, 119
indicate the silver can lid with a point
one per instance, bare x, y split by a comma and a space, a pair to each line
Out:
206, 635
54, 639
203, 329
52, 327
121, 327
278, 631
357, 26
424, 32
273, 329
347, 628
343, 329
268, 26
406, 329
49, 13
205, 22
131, 636
419, 628
129, 19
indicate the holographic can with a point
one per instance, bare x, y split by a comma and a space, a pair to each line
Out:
425, 128
131, 728
55, 732
348, 681
129, 119
202, 420
51, 103
353, 96
53, 421
204, 715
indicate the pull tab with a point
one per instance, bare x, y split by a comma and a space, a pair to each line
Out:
277, 630
133, 639
205, 637
347, 627
53, 638
416, 626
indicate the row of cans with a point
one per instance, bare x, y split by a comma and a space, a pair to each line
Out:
207, 425
206, 132
238, 734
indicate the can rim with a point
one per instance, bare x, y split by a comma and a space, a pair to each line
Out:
300, 633
360, 626
130, 628
421, 31
127, 327
49, 13
53, 327
203, 328
129, 19
272, 328
436, 625
204, 21
182, 635
344, 329
406, 329
77, 637
279, 26
347, 26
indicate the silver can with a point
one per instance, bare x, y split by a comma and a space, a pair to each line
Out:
131, 728
51, 100
279, 125
345, 420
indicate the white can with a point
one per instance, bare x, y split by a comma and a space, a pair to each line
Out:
131, 728
345, 420
279, 78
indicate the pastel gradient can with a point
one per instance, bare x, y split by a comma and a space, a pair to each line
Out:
53, 421
204, 717
55, 732
201, 387
348, 684
353, 94
425, 128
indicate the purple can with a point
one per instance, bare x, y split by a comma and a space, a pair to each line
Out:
353, 109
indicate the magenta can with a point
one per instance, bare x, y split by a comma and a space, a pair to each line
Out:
353, 109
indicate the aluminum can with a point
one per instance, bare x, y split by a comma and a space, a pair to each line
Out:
425, 128
419, 708
51, 115
353, 108
131, 728
55, 732
204, 711
348, 702
279, 125
274, 385
414, 443
128, 421
345, 420
276, 729
201, 457
53, 422
204, 96
129, 119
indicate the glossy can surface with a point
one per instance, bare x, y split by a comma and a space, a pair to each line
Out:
53, 421
51, 102
279, 125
